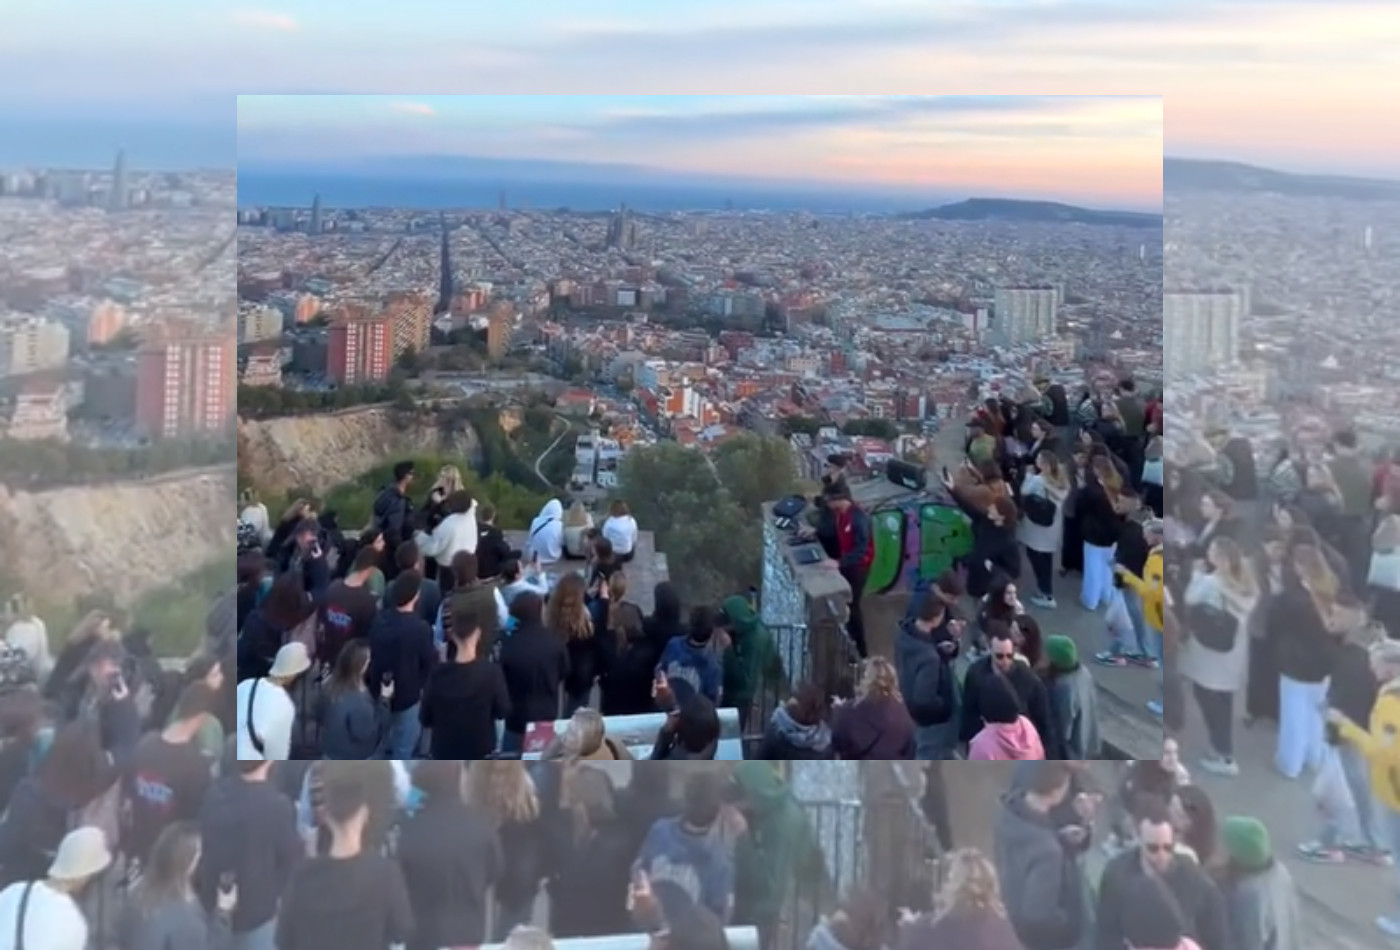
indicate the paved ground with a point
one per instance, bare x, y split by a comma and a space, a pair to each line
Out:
1341, 902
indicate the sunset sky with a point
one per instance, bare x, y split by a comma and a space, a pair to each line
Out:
1293, 83
1103, 150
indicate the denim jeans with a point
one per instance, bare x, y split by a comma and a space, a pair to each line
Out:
1368, 810
1141, 644
259, 938
405, 731
1302, 726
1097, 588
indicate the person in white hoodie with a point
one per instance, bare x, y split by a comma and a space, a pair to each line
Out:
546, 539
46, 915
28, 634
455, 533
266, 711
253, 512
620, 528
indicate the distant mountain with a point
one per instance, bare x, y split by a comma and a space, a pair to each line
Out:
1008, 209
1189, 174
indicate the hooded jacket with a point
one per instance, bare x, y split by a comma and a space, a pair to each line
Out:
1148, 587
751, 662
786, 738
873, 729
1006, 742
1379, 746
1041, 881
926, 680
546, 536
778, 849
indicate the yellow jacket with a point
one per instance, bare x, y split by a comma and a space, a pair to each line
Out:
1380, 745
1148, 587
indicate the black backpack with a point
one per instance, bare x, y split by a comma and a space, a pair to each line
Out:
1039, 510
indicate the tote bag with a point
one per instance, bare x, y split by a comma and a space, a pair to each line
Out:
1385, 570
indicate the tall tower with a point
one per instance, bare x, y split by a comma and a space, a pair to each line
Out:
316, 215
117, 201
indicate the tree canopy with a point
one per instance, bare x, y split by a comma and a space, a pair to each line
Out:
48, 463
707, 519
268, 402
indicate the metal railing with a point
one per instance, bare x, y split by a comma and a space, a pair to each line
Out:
827, 658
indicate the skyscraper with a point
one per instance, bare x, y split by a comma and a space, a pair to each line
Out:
1025, 314
1200, 330
316, 215
117, 200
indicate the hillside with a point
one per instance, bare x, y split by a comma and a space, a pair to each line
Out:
1005, 209
125, 538
1185, 174
321, 451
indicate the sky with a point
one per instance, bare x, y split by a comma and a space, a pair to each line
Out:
1097, 150
1291, 83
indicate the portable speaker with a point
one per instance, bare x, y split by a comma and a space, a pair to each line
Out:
906, 474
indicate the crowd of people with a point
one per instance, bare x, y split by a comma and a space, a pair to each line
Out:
426, 634
1282, 586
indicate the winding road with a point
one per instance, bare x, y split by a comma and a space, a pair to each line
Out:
568, 427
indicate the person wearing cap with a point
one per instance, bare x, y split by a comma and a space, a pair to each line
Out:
393, 510
47, 915
266, 711
1261, 898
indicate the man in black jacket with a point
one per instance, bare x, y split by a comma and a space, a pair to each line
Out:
1199, 902
393, 510
251, 843
1002, 661
924, 652
402, 654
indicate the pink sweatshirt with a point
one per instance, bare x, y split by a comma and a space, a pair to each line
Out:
999, 742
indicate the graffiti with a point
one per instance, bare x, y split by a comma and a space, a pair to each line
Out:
916, 540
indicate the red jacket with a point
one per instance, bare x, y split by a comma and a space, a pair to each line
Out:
854, 539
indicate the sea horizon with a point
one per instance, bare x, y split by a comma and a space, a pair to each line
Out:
292, 189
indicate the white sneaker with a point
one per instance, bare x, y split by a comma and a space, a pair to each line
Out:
1220, 765
1047, 602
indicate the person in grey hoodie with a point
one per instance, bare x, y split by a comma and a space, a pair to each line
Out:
1074, 703
798, 729
165, 913
1038, 861
924, 652
1261, 899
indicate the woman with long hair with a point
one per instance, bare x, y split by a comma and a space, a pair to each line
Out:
448, 483
286, 607
627, 681
968, 910
97, 626
1274, 569
1049, 481
297, 512
585, 739
354, 725
877, 725
1100, 524
1304, 618
72, 777
1214, 658
620, 529
165, 913
593, 854
506, 793
567, 614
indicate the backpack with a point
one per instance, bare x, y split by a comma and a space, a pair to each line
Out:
248, 538
16, 669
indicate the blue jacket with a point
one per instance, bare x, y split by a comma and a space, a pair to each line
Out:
699, 864
684, 662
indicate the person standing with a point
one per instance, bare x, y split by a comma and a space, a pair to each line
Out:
402, 655
856, 546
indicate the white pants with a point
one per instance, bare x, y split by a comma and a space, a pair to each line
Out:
1302, 726
1097, 589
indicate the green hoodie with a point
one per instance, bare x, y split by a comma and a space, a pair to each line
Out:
752, 659
779, 848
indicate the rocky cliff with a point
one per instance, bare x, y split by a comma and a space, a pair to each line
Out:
125, 537
321, 451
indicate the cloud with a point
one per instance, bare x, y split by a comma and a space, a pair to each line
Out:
404, 107
266, 20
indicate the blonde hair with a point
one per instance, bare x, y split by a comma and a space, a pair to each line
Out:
971, 884
1051, 470
1237, 572
449, 479
584, 734
1107, 474
567, 611
1317, 575
623, 618
577, 516
504, 790
878, 680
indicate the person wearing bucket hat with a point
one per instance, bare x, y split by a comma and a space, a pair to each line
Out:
45, 915
1261, 898
266, 711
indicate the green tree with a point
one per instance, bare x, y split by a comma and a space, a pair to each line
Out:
801, 425
756, 469
872, 428
713, 546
